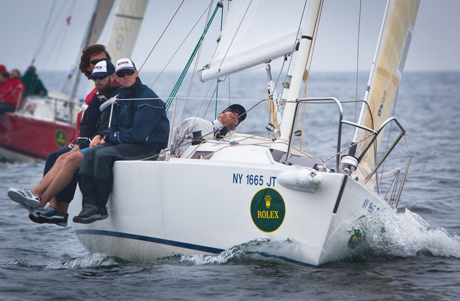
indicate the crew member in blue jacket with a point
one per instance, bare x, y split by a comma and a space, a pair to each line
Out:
139, 129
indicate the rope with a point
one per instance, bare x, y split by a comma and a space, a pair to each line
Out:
177, 50
161, 35
345, 149
187, 66
42, 37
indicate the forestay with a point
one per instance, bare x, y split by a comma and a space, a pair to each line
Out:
386, 74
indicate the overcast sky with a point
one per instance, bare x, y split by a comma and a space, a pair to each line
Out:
435, 44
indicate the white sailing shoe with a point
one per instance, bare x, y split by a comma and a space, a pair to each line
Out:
24, 197
33, 211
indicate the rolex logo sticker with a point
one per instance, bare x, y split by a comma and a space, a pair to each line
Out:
268, 210
60, 138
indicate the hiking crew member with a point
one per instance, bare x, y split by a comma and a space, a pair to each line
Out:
139, 129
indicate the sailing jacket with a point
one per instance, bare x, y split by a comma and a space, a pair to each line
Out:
183, 133
139, 117
11, 92
94, 121
33, 85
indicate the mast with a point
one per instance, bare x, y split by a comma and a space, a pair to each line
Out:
371, 75
299, 68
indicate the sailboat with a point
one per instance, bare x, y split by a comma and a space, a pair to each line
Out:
45, 124
268, 194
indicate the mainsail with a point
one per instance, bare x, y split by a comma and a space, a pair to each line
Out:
103, 8
386, 75
255, 32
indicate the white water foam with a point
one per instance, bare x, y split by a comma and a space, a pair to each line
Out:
384, 234
407, 234
88, 261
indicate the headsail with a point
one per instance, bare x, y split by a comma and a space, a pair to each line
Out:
125, 28
255, 32
103, 8
386, 74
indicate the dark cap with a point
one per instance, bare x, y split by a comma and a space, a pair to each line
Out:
102, 69
238, 109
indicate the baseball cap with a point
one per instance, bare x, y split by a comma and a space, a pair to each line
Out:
102, 69
125, 64
238, 109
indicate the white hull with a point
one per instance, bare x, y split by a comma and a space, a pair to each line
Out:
192, 206
222, 194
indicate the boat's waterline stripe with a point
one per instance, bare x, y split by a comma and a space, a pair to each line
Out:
180, 244
151, 239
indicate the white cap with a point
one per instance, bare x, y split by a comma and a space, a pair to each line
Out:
125, 64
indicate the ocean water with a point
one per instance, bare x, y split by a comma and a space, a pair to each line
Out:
416, 257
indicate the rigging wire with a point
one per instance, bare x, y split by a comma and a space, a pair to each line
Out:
187, 66
198, 55
178, 48
295, 42
42, 37
60, 37
233, 39
357, 58
306, 72
48, 31
217, 87
161, 35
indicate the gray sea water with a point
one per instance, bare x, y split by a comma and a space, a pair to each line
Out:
417, 257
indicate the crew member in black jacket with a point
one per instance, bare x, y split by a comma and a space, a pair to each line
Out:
139, 129
61, 179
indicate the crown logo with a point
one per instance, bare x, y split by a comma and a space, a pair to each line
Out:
268, 201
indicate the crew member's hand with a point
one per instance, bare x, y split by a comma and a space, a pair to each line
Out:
76, 148
96, 141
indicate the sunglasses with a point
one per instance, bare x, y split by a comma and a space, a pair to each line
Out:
99, 78
122, 73
94, 62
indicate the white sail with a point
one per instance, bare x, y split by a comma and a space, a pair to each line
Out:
125, 26
103, 8
120, 28
255, 32
302, 209
386, 74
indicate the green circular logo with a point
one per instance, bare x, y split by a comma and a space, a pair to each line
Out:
268, 210
60, 138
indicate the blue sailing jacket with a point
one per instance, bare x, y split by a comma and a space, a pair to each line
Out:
139, 116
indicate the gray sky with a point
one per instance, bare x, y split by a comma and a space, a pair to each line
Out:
435, 44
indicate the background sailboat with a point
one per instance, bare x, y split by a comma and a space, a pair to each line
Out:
46, 124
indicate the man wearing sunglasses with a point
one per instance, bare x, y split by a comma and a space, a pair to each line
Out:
194, 130
139, 130
58, 185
